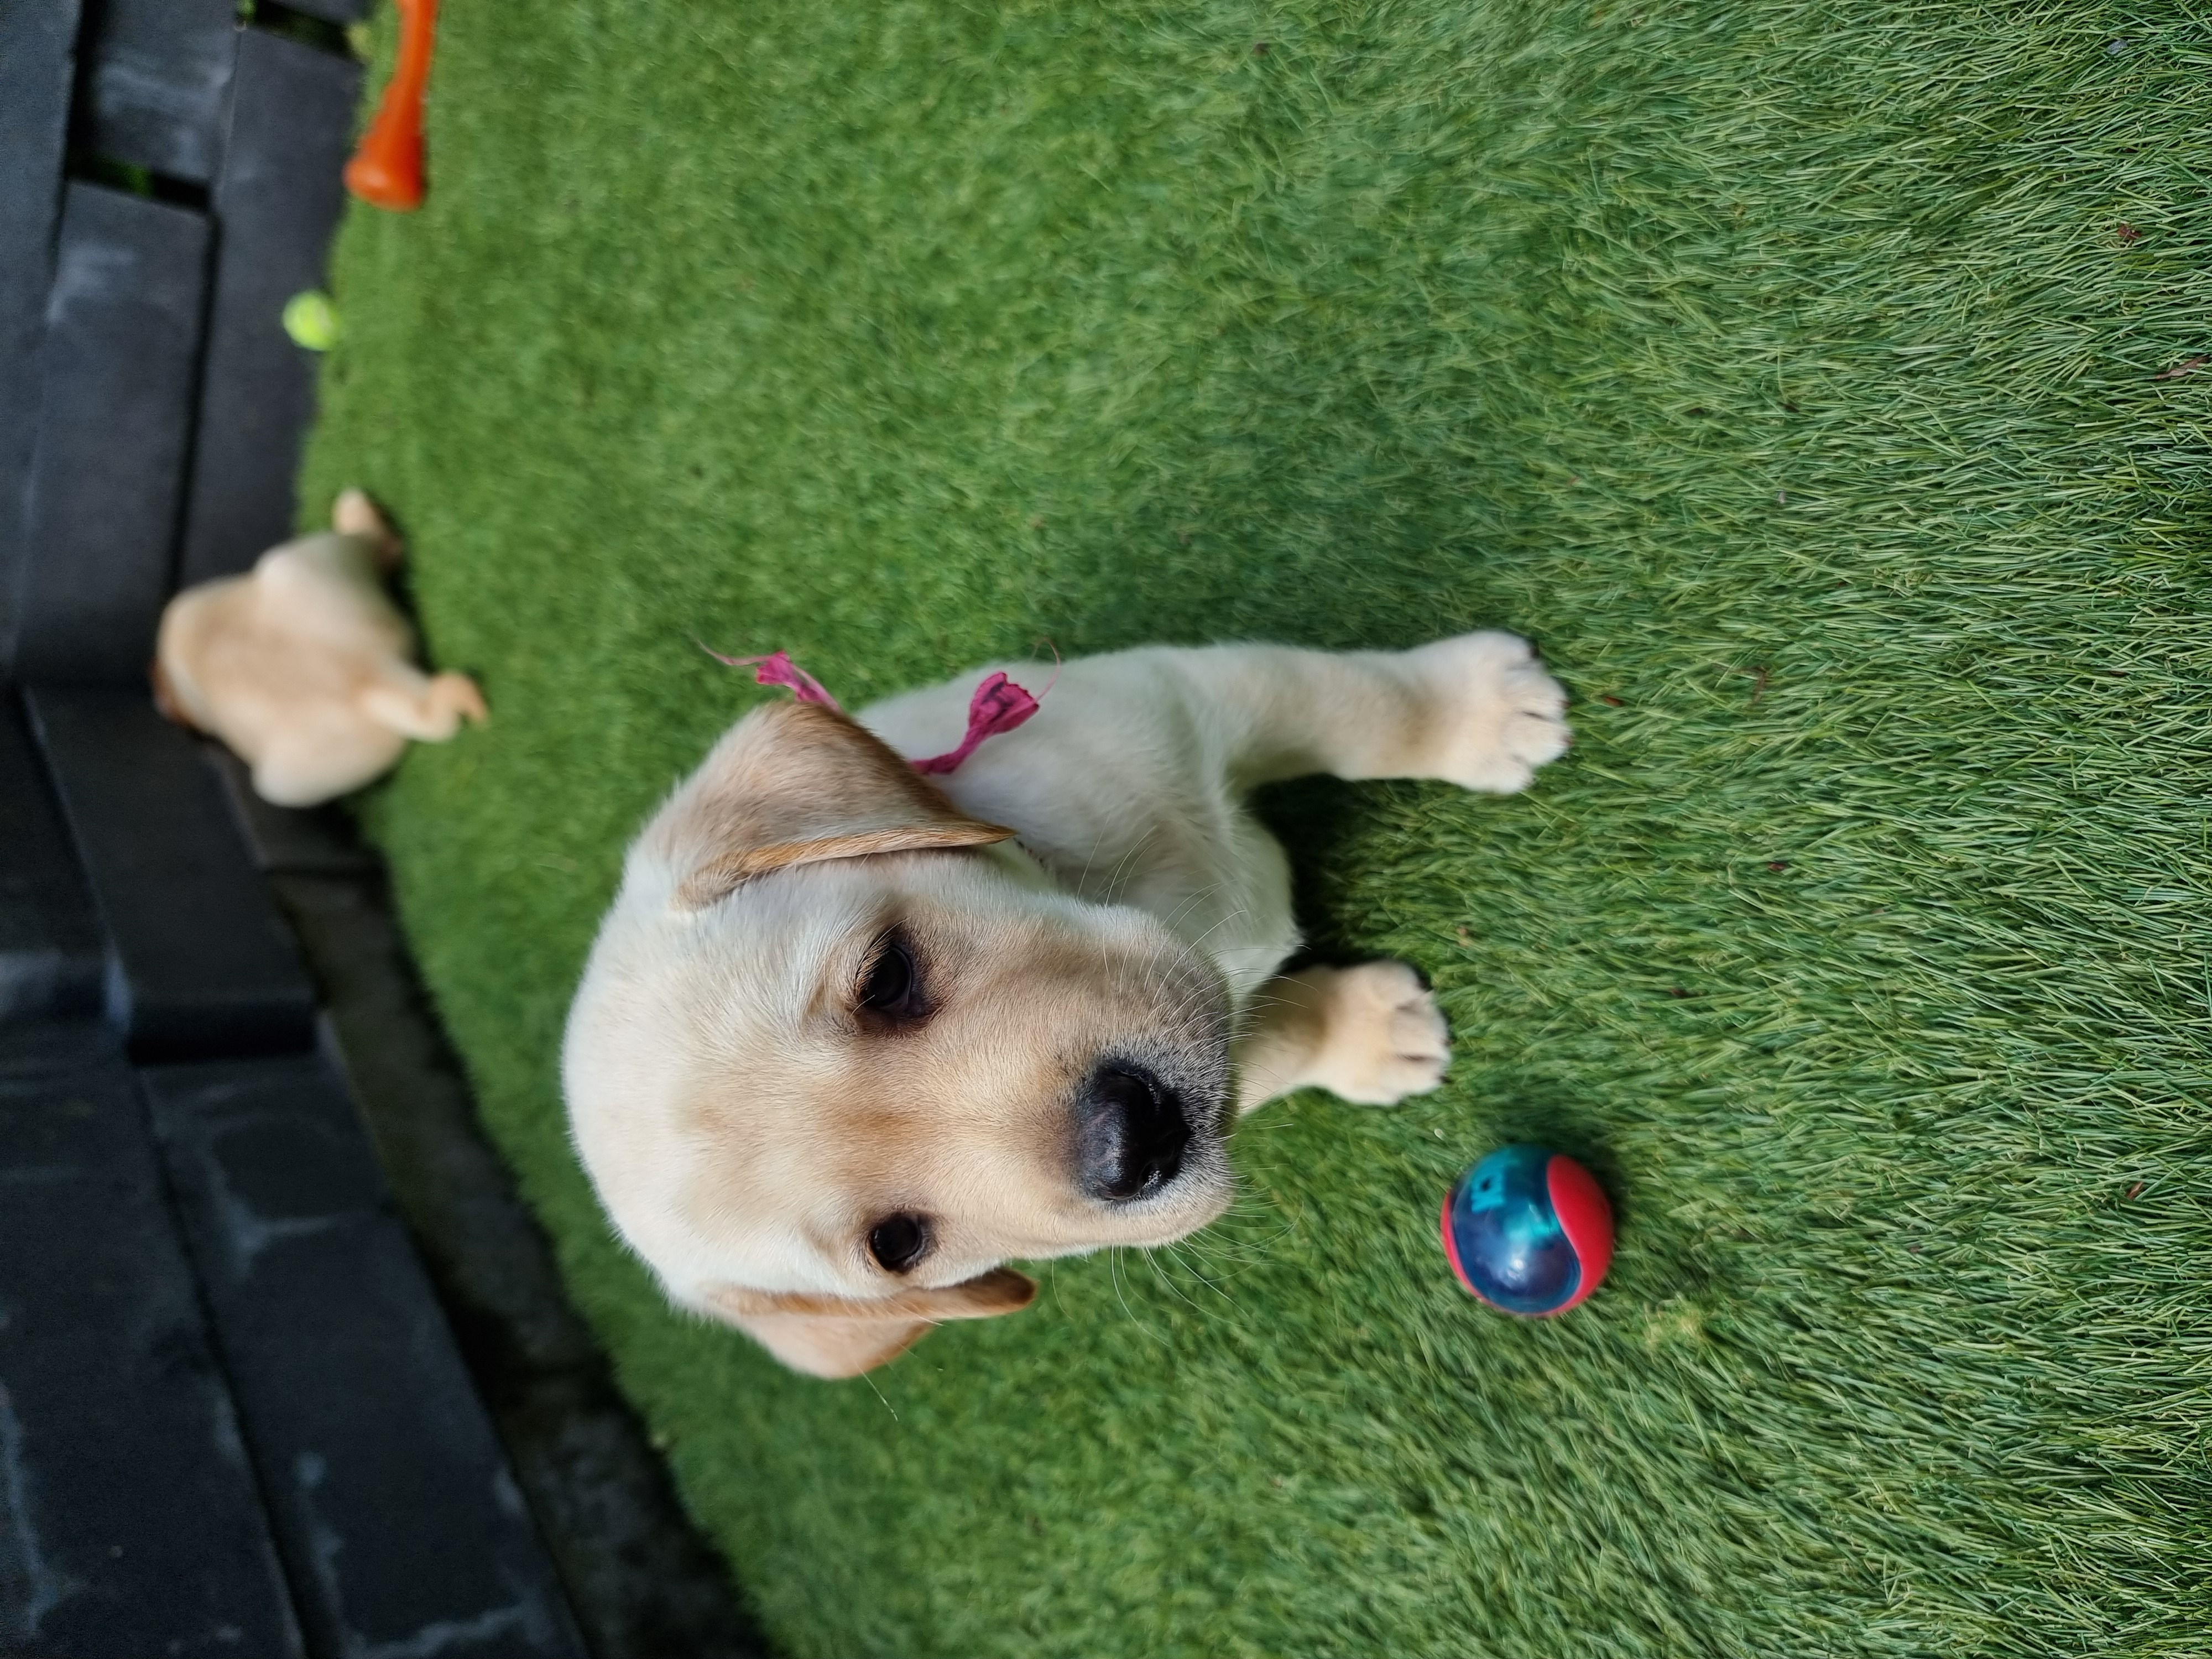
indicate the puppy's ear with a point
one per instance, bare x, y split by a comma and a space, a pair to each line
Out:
843, 1336
796, 783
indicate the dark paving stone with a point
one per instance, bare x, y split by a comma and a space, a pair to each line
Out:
277, 199
290, 840
393, 1508
643, 1582
203, 964
151, 83
129, 1522
336, 11
122, 336
37, 59
51, 955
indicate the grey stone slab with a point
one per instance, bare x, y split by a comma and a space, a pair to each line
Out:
643, 1582
335, 11
277, 199
153, 77
129, 1524
52, 957
201, 963
38, 58
403, 1530
290, 840
116, 370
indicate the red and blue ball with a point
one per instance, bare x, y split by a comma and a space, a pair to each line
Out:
1528, 1231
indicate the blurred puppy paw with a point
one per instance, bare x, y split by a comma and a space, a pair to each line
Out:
428, 711
457, 693
355, 515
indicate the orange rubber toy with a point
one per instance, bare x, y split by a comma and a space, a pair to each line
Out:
386, 170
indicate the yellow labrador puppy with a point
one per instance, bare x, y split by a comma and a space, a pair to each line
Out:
305, 667
851, 1038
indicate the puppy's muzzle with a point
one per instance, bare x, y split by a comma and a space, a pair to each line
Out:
1132, 1130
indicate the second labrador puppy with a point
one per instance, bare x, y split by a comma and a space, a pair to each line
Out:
305, 667
850, 1038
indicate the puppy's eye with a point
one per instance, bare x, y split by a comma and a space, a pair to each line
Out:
898, 1242
891, 987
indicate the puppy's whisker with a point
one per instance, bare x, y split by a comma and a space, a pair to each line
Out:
1116, 880
1193, 899
887, 1406
1237, 914
1059, 1291
1121, 872
1197, 1272
1114, 1272
1153, 1259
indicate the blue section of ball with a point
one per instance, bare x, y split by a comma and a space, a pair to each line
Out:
1511, 1249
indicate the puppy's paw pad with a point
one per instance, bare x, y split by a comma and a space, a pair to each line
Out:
1385, 1037
1501, 716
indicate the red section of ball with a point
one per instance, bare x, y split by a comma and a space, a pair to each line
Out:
1584, 1217
1452, 1254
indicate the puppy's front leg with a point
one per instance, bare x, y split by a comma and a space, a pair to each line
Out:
1478, 710
428, 708
1371, 1035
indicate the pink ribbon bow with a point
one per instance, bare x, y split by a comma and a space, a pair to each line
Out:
997, 705
778, 669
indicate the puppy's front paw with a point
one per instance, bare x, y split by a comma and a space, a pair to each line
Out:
1499, 716
1382, 1036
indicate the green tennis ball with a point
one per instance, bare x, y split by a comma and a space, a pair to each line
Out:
311, 320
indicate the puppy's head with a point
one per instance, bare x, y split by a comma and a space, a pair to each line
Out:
840, 1051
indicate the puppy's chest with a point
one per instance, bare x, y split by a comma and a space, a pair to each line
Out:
1225, 891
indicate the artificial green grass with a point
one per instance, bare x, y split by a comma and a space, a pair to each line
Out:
1812, 379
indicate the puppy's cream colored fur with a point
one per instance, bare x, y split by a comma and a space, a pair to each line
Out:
1086, 900
305, 667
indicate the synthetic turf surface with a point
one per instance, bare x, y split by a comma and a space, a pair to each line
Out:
1815, 380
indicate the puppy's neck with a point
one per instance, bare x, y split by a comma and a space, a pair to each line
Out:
1024, 865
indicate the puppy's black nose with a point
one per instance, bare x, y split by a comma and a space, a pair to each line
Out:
1131, 1130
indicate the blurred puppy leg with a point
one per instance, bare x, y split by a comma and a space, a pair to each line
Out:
427, 708
355, 515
